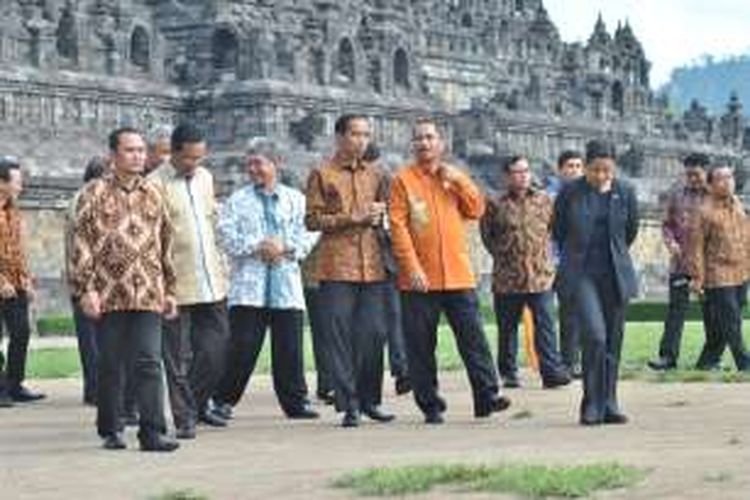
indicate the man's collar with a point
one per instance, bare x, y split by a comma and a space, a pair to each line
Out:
128, 183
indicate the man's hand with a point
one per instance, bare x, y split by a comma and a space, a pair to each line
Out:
169, 308
419, 282
371, 216
674, 249
272, 250
449, 175
91, 305
7, 291
696, 286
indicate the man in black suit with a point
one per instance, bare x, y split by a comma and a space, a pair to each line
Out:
596, 221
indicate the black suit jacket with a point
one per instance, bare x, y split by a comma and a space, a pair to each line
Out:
573, 227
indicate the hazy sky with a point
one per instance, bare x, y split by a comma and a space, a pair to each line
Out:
673, 32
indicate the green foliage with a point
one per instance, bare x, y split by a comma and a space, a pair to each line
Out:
531, 481
55, 325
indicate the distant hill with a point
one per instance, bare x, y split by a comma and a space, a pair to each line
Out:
710, 81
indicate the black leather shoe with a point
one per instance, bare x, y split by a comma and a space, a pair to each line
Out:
223, 410
589, 421
210, 418
493, 405
114, 442
433, 418
351, 419
556, 381
378, 415
615, 418
21, 394
327, 397
403, 386
5, 399
662, 364
305, 412
187, 432
159, 443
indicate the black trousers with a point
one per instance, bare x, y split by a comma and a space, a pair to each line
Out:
15, 316
570, 332
195, 346
316, 318
508, 310
354, 323
248, 327
679, 299
723, 323
421, 316
86, 334
601, 313
134, 339
397, 358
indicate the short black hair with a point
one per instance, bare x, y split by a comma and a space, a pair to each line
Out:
598, 148
700, 160
341, 127
567, 155
95, 168
114, 136
8, 163
511, 160
186, 133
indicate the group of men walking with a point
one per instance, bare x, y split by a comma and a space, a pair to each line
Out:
166, 281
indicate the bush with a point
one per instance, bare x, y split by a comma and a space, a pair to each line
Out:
55, 325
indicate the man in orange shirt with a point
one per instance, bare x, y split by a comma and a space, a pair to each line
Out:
430, 204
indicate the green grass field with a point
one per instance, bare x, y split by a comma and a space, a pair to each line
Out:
641, 343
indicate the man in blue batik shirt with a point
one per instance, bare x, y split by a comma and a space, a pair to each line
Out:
262, 231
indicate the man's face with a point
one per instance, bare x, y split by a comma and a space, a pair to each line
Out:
353, 143
427, 143
695, 177
159, 152
600, 171
722, 182
262, 170
130, 156
571, 169
518, 176
189, 157
12, 187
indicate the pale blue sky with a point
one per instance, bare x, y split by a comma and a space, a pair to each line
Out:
673, 32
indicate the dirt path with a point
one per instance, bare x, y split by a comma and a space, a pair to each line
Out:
694, 437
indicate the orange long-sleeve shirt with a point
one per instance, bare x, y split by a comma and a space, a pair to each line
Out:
428, 227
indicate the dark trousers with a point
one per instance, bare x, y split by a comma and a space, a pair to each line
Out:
316, 318
679, 299
397, 358
570, 332
194, 354
723, 323
86, 333
508, 310
421, 316
15, 316
354, 323
601, 313
135, 340
248, 327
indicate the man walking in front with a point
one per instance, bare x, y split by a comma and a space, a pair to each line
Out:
124, 276
431, 202
262, 231
516, 230
16, 289
346, 202
681, 206
195, 342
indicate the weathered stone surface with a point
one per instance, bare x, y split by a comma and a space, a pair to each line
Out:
496, 71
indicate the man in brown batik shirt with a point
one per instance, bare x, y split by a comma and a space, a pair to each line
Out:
346, 203
516, 230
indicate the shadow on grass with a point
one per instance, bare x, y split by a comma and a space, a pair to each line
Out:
531, 481
179, 495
